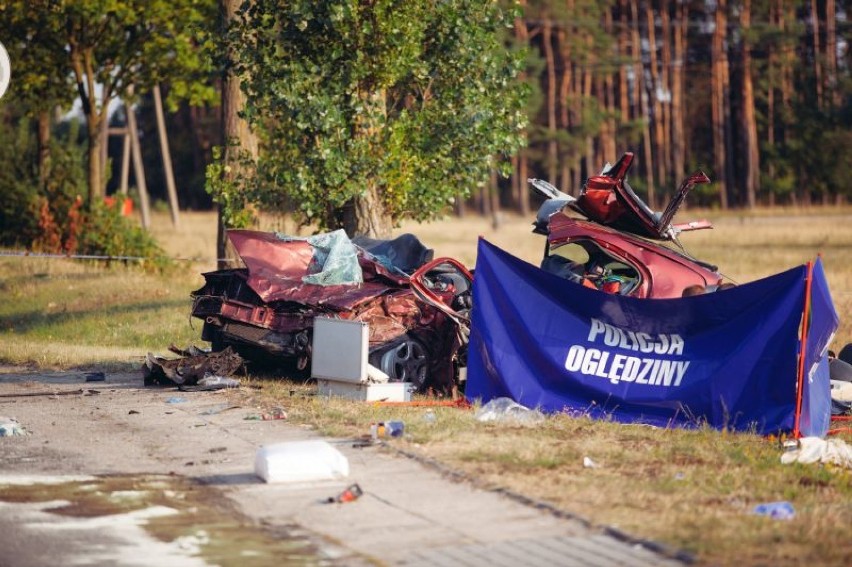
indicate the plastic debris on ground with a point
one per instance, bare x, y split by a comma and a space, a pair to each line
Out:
589, 463
352, 493
300, 461
775, 510
217, 409
212, 382
9, 427
176, 400
385, 429
508, 410
429, 417
818, 450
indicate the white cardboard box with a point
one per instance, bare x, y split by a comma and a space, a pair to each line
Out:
389, 392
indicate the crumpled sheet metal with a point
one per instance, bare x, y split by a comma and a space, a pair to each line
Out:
278, 268
188, 370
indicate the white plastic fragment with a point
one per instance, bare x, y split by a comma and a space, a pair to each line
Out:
376, 375
818, 450
10, 427
508, 410
300, 461
589, 463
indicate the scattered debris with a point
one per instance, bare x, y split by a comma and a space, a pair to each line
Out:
590, 464
818, 450
429, 417
385, 429
134, 412
210, 383
176, 400
218, 382
353, 492
217, 409
9, 427
275, 413
508, 410
298, 461
776, 510
190, 369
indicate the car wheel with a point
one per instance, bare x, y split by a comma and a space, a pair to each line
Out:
406, 361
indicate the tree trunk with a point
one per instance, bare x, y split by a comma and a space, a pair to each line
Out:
43, 146
237, 137
552, 148
564, 107
665, 81
719, 80
678, 111
608, 144
831, 52
523, 173
752, 157
519, 168
623, 40
93, 126
655, 88
365, 215
817, 52
636, 48
772, 85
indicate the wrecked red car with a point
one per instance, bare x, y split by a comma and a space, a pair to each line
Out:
416, 307
609, 239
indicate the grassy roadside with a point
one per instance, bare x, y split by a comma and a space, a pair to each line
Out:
690, 489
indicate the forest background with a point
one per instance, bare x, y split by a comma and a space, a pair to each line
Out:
754, 92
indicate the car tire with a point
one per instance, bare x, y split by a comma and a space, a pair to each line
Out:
404, 360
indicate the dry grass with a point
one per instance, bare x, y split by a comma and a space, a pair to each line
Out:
691, 489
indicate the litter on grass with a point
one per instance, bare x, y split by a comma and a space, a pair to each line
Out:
508, 410
819, 450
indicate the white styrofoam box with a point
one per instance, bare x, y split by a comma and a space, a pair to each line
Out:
300, 461
389, 392
340, 350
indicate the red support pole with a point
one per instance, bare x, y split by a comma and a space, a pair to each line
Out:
806, 314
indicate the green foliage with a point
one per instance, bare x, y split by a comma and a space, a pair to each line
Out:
414, 98
228, 193
124, 47
108, 233
49, 217
20, 185
33, 38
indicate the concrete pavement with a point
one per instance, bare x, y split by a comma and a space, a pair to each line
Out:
410, 513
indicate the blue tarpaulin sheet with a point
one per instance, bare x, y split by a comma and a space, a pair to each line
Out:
727, 359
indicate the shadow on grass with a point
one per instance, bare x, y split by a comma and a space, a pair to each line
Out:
24, 322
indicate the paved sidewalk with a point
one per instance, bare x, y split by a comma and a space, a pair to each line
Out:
410, 514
